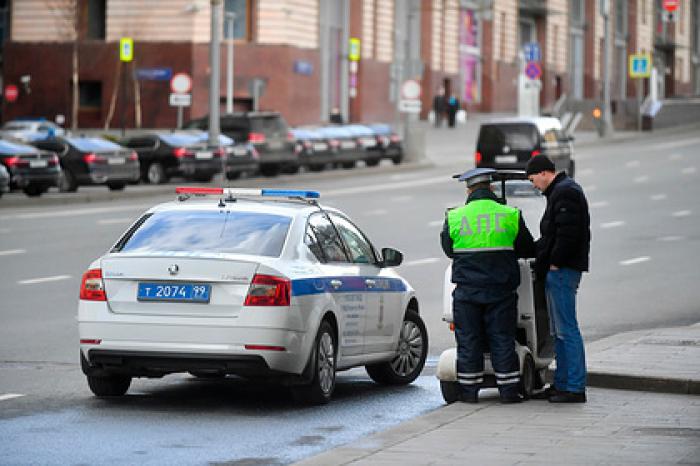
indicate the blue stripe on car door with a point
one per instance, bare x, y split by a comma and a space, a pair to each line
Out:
309, 286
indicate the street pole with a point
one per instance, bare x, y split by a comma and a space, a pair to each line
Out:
231, 18
607, 128
214, 65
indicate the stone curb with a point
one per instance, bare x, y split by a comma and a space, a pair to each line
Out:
643, 383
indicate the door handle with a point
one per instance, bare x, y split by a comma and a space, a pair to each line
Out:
336, 284
370, 283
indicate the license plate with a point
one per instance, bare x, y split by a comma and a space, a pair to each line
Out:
239, 152
274, 145
320, 146
506, 158
347, 145
182, 292
203, 155
116, 160
368, 142
38, 163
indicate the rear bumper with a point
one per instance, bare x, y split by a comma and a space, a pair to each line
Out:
49, 178
198, 167
101, 175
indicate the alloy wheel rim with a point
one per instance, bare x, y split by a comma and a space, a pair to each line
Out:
410, 349
326, 363
154, 174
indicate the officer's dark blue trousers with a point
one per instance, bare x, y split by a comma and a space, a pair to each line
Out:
477, 322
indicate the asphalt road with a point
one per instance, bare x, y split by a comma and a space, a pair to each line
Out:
646, 239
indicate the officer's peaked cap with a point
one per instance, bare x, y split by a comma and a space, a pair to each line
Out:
477, 175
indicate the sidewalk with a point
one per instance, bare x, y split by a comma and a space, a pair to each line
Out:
637, 426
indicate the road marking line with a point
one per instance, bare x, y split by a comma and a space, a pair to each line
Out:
682, 213
671, 238
617, 223
636, 260
9, 396
598, 204
689, 170
675, 157
658, 197
136, 208
11, 252
675, 144
633, 164
427, 260
112, 221
33, 281
401, 198
376, 212
641, 179
436, 223
385, 186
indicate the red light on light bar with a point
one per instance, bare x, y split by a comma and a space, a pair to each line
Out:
535, 153
90, 341
265, 348
203, 191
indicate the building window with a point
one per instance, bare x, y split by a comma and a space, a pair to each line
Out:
90, 95
577, 46
96, 10
240, 12
644, 11
578, 12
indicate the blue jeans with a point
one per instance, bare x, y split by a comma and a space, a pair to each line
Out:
561, 286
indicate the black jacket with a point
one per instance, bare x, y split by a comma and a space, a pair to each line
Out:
565, 232
488, 275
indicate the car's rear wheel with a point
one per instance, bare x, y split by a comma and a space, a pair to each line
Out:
372, 162
410, 356
320, 390
316, 167
156, 173
347, 165
34, 190
233, 175
269, 169
450, 391
397, 160
116, 186
67, 182
204, 178
110, 385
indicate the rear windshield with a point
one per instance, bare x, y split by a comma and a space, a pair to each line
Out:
516, 136
8, 147
268, 124
220, 232
193, 138
92, 144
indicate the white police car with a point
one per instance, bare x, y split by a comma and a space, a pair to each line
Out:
257, 283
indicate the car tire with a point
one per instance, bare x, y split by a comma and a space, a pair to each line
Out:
323, 355
155, 174
67, 182
317, 167
397, 160
34, 190
291, 169
408, 363
116, 186
110, 385
372, 162
269, 169
233, 175
451, 391
347, 165
527, 378
203, 178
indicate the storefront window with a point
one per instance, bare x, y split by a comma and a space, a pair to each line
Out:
469, 57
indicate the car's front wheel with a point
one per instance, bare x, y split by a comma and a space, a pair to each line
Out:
109, 385
410, 356
156, 174
320, 390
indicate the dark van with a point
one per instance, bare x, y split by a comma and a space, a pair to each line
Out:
510, 143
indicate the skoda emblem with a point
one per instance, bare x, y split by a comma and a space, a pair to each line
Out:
173, 269
506, 149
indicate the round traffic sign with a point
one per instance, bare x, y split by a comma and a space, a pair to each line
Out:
11, 93
671, 5
410, 89
181, 83
533, 70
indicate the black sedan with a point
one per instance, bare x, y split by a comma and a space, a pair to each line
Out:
32, 170
184, 153
90, 160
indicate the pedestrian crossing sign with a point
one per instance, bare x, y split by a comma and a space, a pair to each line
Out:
640, 65
126, 49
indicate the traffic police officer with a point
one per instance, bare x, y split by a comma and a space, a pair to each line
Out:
484, 238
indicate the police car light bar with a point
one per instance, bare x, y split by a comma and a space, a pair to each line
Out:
233, 192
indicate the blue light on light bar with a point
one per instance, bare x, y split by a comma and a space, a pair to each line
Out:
291, 193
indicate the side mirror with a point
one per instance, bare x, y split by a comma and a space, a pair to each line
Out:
392, 257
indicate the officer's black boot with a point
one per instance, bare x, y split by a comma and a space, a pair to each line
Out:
469, 396
511, 396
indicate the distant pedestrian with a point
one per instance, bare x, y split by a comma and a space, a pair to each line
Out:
562, 255
336, 117
439, 105
484, 239
452, 109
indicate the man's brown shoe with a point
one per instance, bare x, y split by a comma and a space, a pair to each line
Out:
546, 393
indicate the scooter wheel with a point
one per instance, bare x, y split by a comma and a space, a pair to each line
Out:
527, 377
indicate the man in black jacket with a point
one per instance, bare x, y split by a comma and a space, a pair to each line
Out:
562, 257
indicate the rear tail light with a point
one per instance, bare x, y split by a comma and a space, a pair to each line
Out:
133, 156
92, 288
290, 136
256, 138
253, 150
308, 145
16, 162
264, 348
220, 152
535, 153
267, 290
334, 143
394, 138
90, 341
182, 153
94, 158
477, 157
53, 161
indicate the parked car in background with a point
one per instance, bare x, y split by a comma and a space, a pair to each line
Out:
240, 157
4, 180
389, 142
312, 148
30, 129
91, 160
343, 144
367, 143
32, 170
267, 131
510, 143
183, 153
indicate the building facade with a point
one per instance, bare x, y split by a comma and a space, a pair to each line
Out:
309, 58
